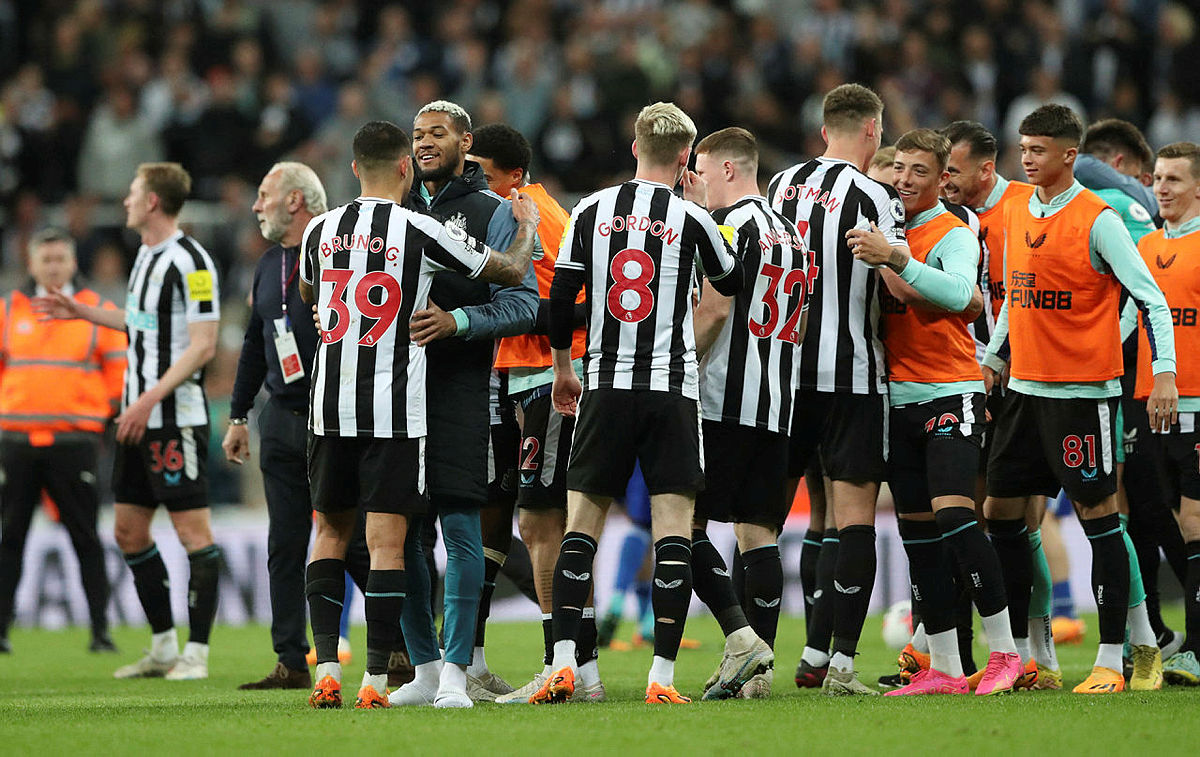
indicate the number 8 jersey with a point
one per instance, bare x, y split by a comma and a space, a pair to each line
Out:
749, 376
637, 244
370, 264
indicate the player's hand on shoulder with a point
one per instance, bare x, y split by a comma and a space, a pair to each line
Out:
524, 209
869, 245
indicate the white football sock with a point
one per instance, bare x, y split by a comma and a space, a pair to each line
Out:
920, 640
195, 652
842, 662
329, 669
589, 673
564, 654
428, 674
998, 630
662, 672
815, 657
377, 682
454, 678
1140, 632
1024, 649
943, 653
1041, 638
478, 664
1109, 656
164, 647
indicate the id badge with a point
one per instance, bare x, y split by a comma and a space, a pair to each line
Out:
288, 352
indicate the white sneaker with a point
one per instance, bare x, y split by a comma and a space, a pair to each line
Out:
147, 667
586, 694
192, 664
412, 694
521, 695
487, 687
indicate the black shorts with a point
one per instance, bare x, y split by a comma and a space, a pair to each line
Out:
378, 475
168, 467
503, 443
545, 452
1178, 454
616, 427
1042, 444
995, 403
745, 475
934, 449
846, 430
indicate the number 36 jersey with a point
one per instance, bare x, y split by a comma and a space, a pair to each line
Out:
749, 375
637, 245
370, 264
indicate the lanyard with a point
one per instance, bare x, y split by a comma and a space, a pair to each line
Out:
285, 280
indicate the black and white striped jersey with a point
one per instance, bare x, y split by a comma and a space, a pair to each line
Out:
981, 329
637, 245
370, 264
172, 284
825, 198
748, 375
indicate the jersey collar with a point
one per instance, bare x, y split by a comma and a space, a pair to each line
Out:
163, 244
995, 195
1187, 227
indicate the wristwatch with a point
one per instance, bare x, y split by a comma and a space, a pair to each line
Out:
237, 421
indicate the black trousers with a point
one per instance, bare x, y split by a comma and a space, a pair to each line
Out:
67, 471
283, 458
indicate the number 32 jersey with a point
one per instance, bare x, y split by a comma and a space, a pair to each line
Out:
749, 375
370, 264
637, 245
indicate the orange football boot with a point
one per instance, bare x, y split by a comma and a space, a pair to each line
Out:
656, 693
1102, 681
326, 695
558, 688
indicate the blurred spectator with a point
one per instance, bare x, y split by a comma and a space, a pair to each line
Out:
116, 141
316, 94
108, 275
1044, 87
176, 97
219, 143
329, 152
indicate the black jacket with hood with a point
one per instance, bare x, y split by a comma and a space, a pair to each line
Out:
458, 368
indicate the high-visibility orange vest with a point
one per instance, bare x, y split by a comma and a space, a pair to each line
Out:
57, 376
923, 345
1175, 265
1063, 320
991, 231
533, 350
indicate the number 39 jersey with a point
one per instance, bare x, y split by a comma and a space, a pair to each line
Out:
749, 374
637, 244
370, 264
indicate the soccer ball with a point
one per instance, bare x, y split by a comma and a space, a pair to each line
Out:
897, 625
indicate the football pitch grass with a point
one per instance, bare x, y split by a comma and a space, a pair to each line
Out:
55, 698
